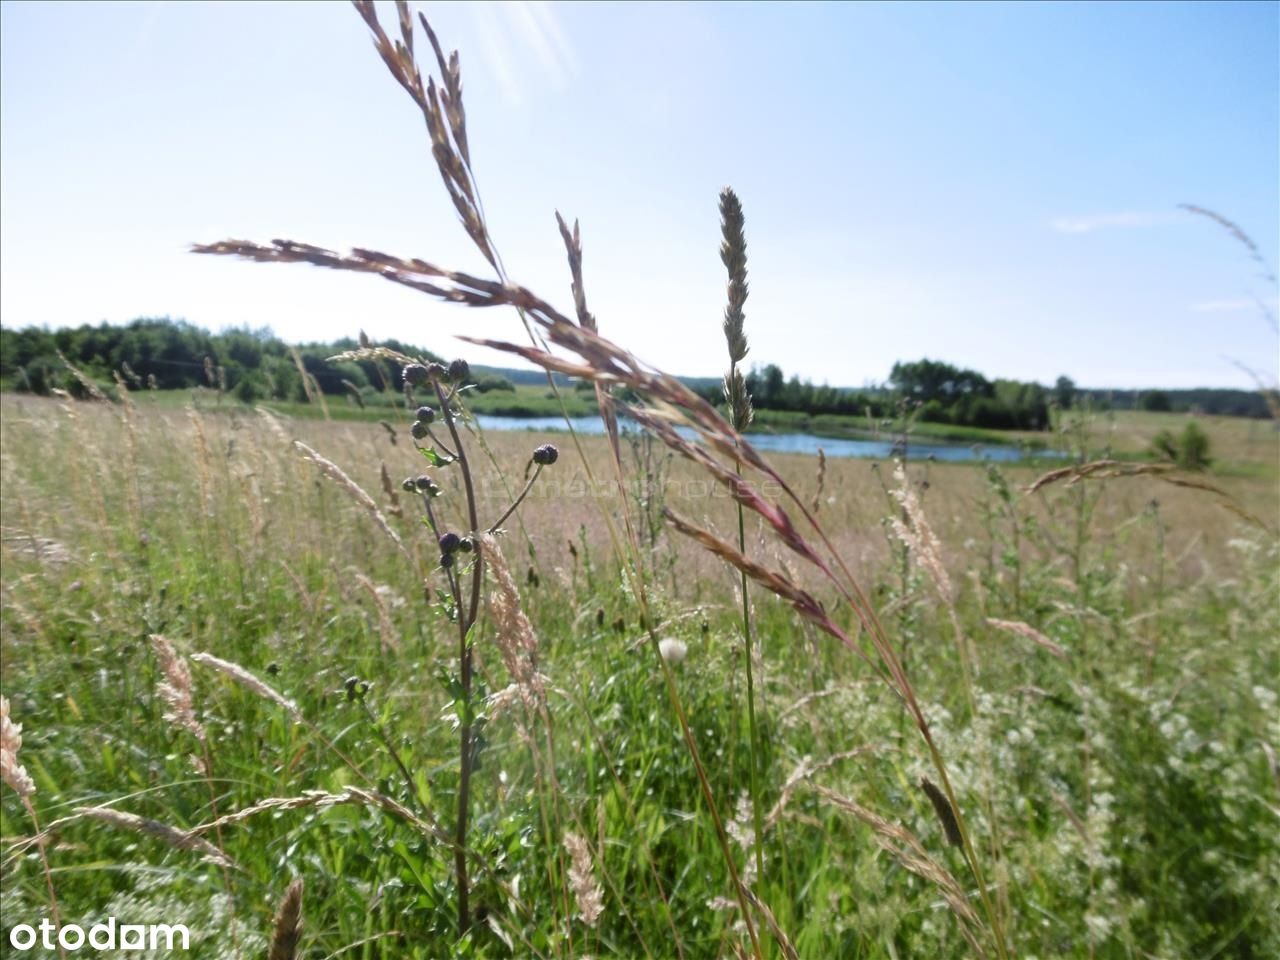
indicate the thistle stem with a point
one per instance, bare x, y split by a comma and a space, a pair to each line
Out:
518, 500
465, 621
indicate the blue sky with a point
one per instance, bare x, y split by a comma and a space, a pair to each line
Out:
994, 185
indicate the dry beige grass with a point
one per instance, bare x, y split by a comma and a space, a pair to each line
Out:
239, 481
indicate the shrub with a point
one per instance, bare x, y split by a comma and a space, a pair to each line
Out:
1193, 448
1164, 445
494, 381
1189, 449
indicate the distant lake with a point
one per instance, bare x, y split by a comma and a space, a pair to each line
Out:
791, 442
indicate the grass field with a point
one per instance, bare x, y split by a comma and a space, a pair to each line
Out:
318, 686
1245, 443
1113, 751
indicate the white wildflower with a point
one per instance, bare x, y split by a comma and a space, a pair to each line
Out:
673, 651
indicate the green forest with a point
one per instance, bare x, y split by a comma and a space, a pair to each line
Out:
256, 365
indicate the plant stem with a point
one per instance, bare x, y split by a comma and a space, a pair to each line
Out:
518, 500
48, 873
752, 736
465, 622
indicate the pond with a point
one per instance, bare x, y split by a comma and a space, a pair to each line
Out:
793, 442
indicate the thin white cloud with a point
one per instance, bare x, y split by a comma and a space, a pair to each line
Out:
538, 25
1223, 306
508, 37
1100, 221
550, 22
497, 52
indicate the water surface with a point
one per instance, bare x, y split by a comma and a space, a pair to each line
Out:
792, 442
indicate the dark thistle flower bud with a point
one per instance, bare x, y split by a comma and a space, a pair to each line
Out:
437, 371
426, 414
409, 484
446, 560
459, 370
419, 429
355, 687
466, 545
425, 484
415, 373
546, 454
449, 542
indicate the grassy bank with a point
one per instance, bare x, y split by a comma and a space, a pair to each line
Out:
529, 401
1239, 444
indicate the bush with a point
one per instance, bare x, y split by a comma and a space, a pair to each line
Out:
1193, 448
494, 381
248, 391
38, 376
1189, 449
1164, 445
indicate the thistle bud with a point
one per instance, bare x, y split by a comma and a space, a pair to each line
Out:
437, 371
546, 455
426, 414
446, 560
419, 429
466, 545
449, 542
459, 370
409, 484
415, 373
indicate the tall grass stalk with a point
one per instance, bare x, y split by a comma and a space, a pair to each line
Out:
15, 775
733, 254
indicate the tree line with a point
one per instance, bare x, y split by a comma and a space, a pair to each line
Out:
165, 354
939, 392
255, 365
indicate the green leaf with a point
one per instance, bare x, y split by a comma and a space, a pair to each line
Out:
434, 458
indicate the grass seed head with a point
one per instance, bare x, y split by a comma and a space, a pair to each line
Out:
287, 930
13, 772
586, 889
175, 688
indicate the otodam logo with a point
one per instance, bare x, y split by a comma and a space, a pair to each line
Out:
105, 935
